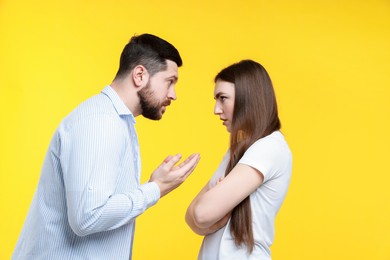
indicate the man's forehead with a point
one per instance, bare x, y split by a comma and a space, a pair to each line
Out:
172, 69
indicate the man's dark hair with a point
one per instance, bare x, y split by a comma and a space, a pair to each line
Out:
149, 51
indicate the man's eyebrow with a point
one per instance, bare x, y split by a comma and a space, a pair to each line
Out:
176, 78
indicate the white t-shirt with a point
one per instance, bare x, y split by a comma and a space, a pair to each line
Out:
272, 157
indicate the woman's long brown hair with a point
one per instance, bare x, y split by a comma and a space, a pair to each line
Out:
255, 115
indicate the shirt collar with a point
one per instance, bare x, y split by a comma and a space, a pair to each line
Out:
120, 107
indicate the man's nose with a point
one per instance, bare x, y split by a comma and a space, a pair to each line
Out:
172, 94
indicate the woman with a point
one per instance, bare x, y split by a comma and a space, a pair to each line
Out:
236, 209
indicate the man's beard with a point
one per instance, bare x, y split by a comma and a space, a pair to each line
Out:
151, 108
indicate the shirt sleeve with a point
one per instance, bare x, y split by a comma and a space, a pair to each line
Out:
268, 155
91, 153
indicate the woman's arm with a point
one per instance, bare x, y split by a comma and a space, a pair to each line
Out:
191, 220
212, 205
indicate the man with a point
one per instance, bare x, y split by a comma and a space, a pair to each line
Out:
89, 192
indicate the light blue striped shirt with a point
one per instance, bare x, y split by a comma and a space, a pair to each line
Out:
89, 191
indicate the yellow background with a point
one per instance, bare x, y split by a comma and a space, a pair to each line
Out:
330, 64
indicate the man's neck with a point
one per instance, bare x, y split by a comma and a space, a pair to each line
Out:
128, 94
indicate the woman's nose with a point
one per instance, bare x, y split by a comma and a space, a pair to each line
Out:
217, 109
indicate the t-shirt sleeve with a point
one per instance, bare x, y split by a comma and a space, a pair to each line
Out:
268, 155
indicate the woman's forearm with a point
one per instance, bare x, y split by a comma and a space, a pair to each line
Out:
204, 230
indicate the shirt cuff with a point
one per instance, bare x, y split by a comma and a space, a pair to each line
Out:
152, 192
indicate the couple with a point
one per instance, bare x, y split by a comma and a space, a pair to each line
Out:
89, 193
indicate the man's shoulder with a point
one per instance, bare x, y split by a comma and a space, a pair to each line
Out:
96, 106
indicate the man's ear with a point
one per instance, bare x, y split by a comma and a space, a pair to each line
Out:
140, 76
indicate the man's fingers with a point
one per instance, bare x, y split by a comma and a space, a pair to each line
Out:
193, 166
184, 162
185, 167
189, 165
169, 157
172, 161
166, 160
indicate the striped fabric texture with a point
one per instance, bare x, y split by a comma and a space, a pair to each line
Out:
89, 191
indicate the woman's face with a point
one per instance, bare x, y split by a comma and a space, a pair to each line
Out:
224, 94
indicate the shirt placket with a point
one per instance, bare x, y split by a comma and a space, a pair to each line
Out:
135, 150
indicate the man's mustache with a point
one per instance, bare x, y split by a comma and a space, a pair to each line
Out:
166, 103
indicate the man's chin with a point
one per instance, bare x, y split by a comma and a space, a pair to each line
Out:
154, 117
162, 111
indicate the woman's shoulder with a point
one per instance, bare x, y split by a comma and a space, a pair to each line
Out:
272, 142
270, 155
